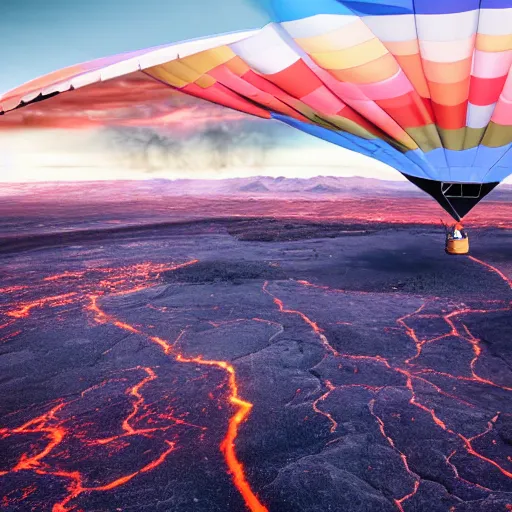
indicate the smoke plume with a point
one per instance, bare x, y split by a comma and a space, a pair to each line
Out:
216, 146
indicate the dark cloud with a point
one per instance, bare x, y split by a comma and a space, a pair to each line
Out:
215, 145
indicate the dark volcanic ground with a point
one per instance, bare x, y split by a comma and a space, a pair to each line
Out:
256, 365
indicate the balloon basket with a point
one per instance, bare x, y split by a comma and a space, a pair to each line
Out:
457, 246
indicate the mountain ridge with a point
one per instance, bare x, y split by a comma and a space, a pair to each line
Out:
257, 186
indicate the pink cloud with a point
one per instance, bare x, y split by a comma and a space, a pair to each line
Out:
132, 100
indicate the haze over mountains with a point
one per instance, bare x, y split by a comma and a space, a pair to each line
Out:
261, 186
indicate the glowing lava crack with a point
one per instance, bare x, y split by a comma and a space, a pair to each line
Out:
244, 407
411, 374
121, 282
84, 290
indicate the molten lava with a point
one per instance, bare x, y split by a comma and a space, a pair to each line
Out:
409, 371
86, 290
120, 282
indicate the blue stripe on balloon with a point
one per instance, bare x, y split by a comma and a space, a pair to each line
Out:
463, 158
467, 174
437, 158
475, 165
469, 165
419, 159
487, 157
376, 8
506, 159
498, 174
502, 168
445, 6
495, 4
345, 140
289, 10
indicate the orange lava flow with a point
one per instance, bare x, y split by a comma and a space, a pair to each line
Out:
125, 280
456, 473
313, 325
121, 281
244, 407
334, 423
23, 310
333, 352
493, 269
65, 275
382, 428
56, 432
228, 444
454, 331
78, 488
399, 502
137, 404
38, 425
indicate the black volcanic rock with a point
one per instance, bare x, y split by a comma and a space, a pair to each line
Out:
368, 370
490, 504
273, 230
220, 271
317, 486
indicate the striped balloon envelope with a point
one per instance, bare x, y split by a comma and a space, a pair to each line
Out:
422, 85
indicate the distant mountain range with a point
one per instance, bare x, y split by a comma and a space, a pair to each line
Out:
320, 187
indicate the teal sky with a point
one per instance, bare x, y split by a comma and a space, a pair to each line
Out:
40, 36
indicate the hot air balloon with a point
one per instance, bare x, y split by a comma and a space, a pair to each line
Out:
424, 86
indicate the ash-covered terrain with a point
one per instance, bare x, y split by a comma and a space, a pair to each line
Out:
257, 365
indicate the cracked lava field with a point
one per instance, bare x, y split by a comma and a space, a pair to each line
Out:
256, 365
